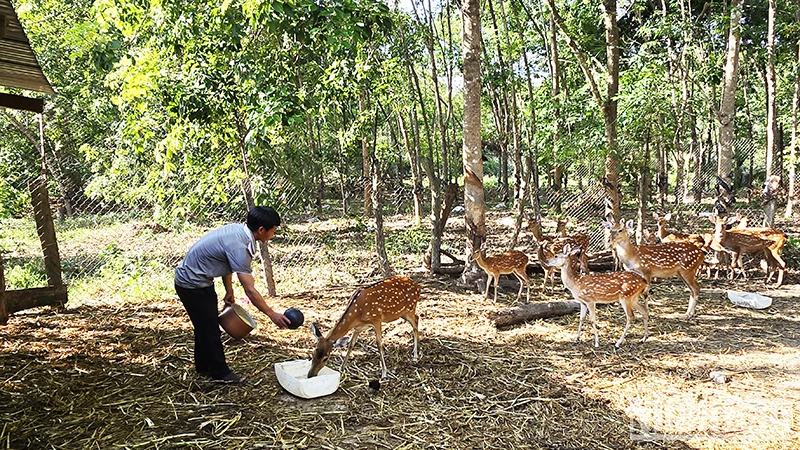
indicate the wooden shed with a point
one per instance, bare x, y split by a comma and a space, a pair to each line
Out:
20, 69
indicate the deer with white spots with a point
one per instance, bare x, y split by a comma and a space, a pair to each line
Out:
665, 260
623, 287
674, 236
550, 245
506, 263
384, 301
751, 240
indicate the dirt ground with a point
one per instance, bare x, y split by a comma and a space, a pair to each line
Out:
122, 377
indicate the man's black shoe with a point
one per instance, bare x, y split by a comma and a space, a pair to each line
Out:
230, 378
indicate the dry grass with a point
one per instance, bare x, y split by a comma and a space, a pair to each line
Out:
122, 377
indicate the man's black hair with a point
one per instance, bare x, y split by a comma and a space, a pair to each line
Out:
262, 216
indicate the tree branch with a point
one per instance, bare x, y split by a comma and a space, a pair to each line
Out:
578, 54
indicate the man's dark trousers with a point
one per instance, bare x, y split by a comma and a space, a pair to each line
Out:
209, 356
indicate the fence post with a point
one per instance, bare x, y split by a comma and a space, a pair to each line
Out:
47, 233
3, 310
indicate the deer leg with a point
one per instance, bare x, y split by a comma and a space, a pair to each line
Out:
379, 340
521, 285
741, 265
593, 318
580, 322
488, 284
628, 319
690, 280
781, 266
523, 276
771, 263
414, 322
496, 282
642, 308
350, 346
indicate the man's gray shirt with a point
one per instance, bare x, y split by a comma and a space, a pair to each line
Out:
220, 252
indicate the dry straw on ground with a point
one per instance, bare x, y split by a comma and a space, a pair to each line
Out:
121, 377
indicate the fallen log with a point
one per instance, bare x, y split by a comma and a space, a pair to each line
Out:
18, 300
530, 311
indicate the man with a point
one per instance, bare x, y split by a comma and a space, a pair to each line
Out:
221, 253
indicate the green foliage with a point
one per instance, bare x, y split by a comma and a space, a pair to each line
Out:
25, 274
791, 251
409, 241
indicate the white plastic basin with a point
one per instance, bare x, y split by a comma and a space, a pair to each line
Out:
749, 300
292, 375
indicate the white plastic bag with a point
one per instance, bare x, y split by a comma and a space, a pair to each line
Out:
749, 300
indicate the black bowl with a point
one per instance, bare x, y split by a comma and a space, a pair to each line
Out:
295, 317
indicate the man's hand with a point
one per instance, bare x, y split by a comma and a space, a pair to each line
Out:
279, 319
228, 298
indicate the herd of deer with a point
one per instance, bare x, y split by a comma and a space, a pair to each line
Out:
677, 255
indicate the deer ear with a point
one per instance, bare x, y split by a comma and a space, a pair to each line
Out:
575, 251
629, 225
608, 224
341, 342
668, 216
655, 216
731, 220
315, 329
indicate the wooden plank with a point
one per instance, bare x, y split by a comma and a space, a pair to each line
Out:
22, 299
3, 310
22, 103
47, 232
530, 311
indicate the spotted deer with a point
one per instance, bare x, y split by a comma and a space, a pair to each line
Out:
664, 260
384, 301
590, 289
673, 236
765, 240
554, 244
506, 263
543, 253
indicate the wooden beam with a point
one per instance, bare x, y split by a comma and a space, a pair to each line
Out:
23, 103
22, 299
47, 232
3, 311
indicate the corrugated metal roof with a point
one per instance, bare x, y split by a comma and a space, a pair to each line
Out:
18, 65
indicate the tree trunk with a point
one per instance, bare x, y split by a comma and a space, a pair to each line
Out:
555, 90
413, 160
266, 259
727, 111
795, 143
662, 180
377, 207
644, 191
474, 204
531, 160
365, 158
772, 117
611, 181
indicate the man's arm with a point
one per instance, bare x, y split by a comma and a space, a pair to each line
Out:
248, 283
227, 281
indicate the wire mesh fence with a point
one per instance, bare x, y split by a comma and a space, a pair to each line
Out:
128, 249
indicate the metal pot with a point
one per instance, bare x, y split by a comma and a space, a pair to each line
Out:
236, 321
